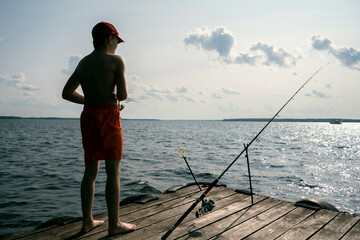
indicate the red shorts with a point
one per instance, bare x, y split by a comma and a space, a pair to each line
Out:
101, 132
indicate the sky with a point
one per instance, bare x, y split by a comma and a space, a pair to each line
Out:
188, 59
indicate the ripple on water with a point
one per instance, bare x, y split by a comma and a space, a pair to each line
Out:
291, 161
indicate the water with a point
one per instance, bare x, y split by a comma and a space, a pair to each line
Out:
41, 164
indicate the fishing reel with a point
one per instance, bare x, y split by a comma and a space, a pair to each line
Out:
122, 106
206, 206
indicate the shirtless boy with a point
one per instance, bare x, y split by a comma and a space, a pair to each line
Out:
101, 75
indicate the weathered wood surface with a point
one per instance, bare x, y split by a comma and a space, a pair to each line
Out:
232, 218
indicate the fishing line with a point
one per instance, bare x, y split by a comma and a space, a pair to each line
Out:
203, 195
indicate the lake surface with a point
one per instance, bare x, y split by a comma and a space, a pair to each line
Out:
41, 164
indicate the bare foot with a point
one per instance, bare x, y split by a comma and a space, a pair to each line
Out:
91, 225
122, 228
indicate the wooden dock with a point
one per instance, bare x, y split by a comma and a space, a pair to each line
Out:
232, 218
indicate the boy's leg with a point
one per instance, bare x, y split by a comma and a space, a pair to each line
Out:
112, 193
87, 196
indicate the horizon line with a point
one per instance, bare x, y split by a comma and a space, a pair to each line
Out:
259, 119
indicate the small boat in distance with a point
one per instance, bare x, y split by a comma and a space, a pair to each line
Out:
335, 121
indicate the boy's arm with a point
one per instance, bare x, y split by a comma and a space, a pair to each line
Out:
120, 81
69, 92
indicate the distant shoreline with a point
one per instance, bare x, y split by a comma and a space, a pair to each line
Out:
291, 120
60, 118
226, 120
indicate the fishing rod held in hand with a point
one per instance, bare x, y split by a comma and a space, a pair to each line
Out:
127, 100
213, 184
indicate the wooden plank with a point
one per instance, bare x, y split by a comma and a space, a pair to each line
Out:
232, 220
309, 226
336, 228
281, 225
257, 222
223, 208
218, 197
156, 220
61, 232
198, 223
151, 216
354, 233
188, 228
181, 193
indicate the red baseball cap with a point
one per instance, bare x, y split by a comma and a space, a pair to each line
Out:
103, 29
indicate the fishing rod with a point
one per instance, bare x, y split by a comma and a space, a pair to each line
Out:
183, 155
203, 195
207, 205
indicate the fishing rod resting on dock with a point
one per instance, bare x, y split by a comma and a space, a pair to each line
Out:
207, 205
213, 184
183, 155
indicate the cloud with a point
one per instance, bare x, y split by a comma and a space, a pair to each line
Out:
220, 39
223, 42
141, 91
31, 99
229, 108
217, 95
320, 43
328, 85
155, 89
189, 99
348, 56
72, 64
273, 56
17, 80
225, 92
242, 58
229, 91
318, 94
182, 90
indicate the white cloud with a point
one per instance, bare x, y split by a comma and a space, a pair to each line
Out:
182, 90
189, 99
242, 58
30, 99
17, 80
217, 95
72, 64
155, 89
132, 78
318, 94
222, 41
229, 91
320, 43
141, 91
228, 108
348, 56
224, 92
272, 56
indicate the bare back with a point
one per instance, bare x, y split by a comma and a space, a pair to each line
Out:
99, 74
